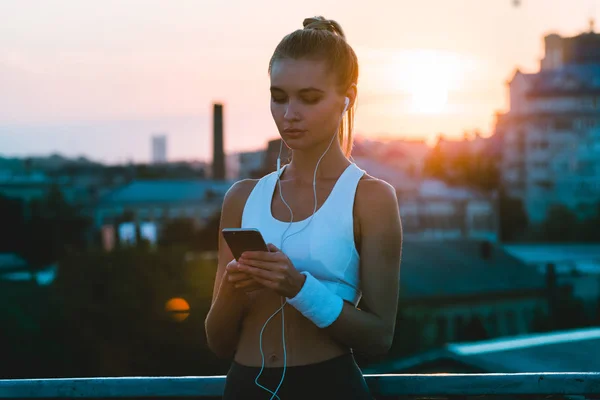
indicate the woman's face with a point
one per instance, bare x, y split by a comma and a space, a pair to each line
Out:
305, 102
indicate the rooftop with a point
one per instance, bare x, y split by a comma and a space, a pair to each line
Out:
575, 350
569, 78
166, 191
459, 268
554, 252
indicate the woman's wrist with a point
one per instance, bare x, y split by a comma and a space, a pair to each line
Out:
316, 302
300, 281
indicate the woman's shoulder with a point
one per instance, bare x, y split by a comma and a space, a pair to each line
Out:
239, 192
375, 195
369, 182
236, 197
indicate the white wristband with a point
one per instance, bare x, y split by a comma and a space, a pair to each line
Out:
316, 302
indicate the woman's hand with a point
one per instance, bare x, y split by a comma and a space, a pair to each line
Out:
241, 280
273, 270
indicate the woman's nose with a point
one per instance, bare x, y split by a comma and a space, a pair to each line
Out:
291, 112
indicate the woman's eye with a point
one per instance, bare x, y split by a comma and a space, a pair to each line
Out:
279, 99
311, 100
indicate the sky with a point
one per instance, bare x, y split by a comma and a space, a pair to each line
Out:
99, 78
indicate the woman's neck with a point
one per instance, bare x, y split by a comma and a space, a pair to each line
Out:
302, 166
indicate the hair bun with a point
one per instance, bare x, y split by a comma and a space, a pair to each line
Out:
319, 23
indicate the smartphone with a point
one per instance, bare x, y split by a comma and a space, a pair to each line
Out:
240, 240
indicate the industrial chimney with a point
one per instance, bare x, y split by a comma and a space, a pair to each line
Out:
218, 165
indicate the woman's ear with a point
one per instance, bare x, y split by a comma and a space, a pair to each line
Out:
351, 94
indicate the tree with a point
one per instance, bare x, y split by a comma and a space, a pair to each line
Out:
513, 219
12, 231
179, 231
463, 166
53, 229
113, 321
561, 225
435, 163
588, 230
208, 236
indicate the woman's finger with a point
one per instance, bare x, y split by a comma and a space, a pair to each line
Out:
260, 273
260, 255
270, 266
266, 283
238, 276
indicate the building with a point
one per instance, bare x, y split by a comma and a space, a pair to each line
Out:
271, 154
407, 156
576, 350
576, 265
160, 201
232, 166
250, 162
551, 134
437, 211
159, 149
468, 290
432, 210
245, 164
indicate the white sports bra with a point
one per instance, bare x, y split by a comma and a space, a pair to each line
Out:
326, 247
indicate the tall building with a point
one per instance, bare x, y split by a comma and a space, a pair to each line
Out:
551, 134
218, 168
270, 157
159, 149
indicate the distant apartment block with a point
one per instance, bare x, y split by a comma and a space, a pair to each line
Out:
244, 165
432, 210
407, 156
159, 149
551, 134
436, 211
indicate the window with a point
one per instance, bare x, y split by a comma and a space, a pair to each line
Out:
562, 124
587, 168
544, 184
482, 222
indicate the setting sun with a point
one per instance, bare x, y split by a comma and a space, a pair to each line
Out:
428, 98
427, 77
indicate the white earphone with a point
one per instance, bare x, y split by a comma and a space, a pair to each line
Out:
283, 303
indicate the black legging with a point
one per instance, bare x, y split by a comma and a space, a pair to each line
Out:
338, 378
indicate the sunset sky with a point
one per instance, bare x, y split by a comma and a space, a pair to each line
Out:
98, 78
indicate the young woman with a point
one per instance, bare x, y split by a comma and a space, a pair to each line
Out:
290, 318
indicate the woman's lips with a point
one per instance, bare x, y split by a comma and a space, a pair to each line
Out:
293, 133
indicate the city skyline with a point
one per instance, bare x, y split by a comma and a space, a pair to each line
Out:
80, 78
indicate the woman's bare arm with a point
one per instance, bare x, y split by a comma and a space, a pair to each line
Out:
223, 321
370, 330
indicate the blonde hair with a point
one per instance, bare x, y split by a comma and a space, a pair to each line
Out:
324, 39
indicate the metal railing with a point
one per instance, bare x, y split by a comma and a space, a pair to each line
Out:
383, 386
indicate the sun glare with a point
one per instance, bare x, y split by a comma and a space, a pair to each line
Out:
427, 77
